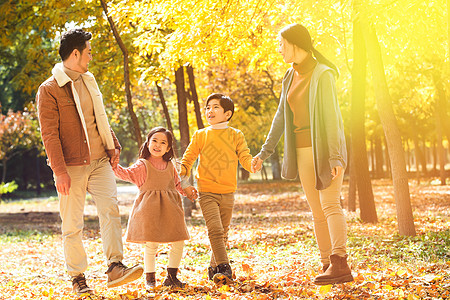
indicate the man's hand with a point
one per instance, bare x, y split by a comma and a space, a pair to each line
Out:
336, 171
256, 164
191, 193
63, 184
114, 160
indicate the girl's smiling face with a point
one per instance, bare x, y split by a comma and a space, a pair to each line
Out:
158, 144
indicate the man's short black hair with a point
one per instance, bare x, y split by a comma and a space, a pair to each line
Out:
73, 39
225, 101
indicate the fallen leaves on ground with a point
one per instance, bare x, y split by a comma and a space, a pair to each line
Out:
271, 246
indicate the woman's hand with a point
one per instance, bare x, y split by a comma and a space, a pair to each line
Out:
336, 171
256, 164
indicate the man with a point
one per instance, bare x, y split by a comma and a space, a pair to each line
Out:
81, 147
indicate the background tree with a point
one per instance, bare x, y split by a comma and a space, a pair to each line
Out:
367, 208
126, 75
396, 153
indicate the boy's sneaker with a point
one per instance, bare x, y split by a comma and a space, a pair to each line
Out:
119, 274
224, 274
79, 285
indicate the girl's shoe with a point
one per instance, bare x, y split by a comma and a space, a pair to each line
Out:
224, 274
172, 280
150, 281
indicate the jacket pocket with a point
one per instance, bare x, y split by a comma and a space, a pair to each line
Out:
70, 128
67, 110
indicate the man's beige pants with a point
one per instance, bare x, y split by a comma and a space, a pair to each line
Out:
98, 179
217, 210
330, 226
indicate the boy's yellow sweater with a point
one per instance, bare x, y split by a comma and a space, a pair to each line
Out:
219, 150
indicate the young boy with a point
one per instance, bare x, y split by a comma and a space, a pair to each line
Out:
220, 148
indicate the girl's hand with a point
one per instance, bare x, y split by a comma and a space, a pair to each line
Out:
256, 164
191, 193
336, 172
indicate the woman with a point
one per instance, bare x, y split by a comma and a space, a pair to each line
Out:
314, 145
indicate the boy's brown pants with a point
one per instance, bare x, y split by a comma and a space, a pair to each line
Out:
217, 210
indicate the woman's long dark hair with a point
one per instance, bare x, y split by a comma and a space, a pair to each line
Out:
145, 153
299, 36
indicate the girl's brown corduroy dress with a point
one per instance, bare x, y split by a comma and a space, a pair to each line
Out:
157, 214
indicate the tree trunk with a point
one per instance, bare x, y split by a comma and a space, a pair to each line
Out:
372, 157
367, 208
420, 156
182, 109
194, 96
38, 173
126, 76
439, 114
4, 162
351, 205
435, 159
183, 125
426, 154
408, 157
393, 137
379, 162
167, 116
387, 159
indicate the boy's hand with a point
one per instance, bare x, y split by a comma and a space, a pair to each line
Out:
256, 164
191, 193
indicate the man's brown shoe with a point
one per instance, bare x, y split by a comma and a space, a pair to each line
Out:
119, 274
79, 285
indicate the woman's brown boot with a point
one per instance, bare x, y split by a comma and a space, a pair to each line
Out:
337, 272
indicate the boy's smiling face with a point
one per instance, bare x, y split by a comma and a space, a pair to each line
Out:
215, 113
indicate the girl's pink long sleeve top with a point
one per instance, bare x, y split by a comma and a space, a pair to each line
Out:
137, 173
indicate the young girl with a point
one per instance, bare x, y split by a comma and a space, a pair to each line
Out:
157, 215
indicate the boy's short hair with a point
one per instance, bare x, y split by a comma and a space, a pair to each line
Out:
225, 101
71, 40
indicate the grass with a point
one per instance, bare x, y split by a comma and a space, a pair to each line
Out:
29, 236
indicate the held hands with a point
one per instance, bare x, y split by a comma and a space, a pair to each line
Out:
336, 172
114, 160
191, 193
256, 164
63, 184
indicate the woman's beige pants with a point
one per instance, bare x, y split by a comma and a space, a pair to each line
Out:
330, 226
